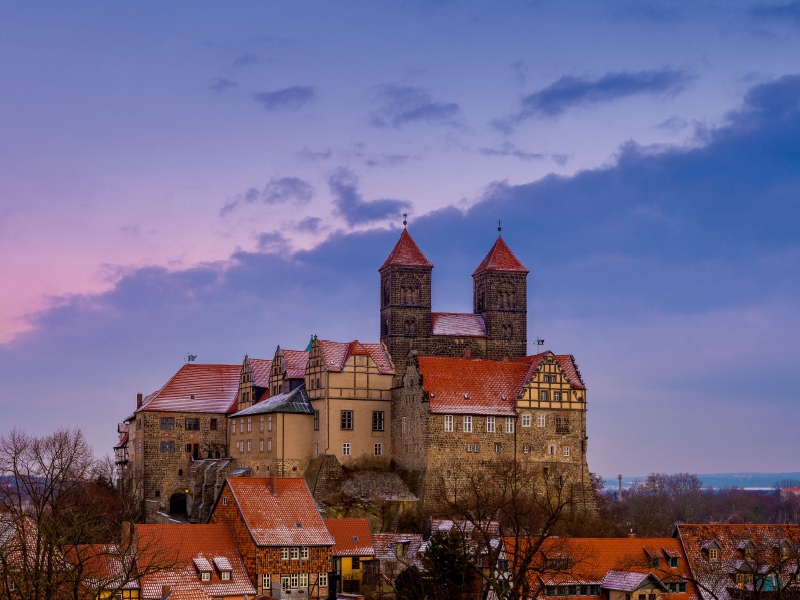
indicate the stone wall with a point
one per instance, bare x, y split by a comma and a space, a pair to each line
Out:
206, 478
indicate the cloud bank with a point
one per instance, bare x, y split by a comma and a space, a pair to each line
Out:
406, 105
351, 206
277, 191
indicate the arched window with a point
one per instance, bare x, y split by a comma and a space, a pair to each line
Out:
385, 327
507, 331
410, 295
386, 292
411, 327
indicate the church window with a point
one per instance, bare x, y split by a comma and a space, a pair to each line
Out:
489, 424
543, 395
386, 292
526, 420
448, 423
562, 424
385, 327
509, 424
411, 327
541, 420
347, 419
467, 424
480, 300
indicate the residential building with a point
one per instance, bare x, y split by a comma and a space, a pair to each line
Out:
352, 549
184, 558
741, 560
281, 537
394, 553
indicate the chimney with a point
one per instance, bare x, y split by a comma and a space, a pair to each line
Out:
164, 592
138, 400
467, 353
273, 483
631, 534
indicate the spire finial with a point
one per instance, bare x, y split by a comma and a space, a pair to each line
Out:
405, 220
500, 228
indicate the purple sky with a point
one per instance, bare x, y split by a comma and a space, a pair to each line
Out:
221, 179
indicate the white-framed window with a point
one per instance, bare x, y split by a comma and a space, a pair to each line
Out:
448, 423
294, 553
405, 424
284, 582
526, 449
261, 445
295, 580
541, 420
249, 424
249, 445
269, 423
469, 447
303, 579
556, 396
261, 424
467, 424
322, 580
269, 444
566, 450
304, 553
551, 449
509, 424
489, 425
378, 449
225, 575
205, 576
266, 581
497, 447
233, 426
224, 501
284, 553
346, 449
316, 449
526, 420
241, 425
543, 395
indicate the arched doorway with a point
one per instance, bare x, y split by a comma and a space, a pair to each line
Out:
177, 504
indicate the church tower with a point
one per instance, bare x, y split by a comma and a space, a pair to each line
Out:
500, 296
405, 301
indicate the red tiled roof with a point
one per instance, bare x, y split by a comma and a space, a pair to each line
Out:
295, 362
272, 520
472, 386
352, 537
463, 324
122, 441
261, 369
215, 389
160, 545
335, 354
187, 595
406, 253
565, 361
500, 258
104, 566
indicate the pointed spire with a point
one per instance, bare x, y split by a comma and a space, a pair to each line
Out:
500, 258
406, 253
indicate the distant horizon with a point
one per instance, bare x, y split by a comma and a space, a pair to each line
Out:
718, 480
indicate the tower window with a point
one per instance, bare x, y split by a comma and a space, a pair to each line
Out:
507, 332
411, 327
410, 295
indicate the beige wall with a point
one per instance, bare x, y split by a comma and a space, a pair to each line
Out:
286, 439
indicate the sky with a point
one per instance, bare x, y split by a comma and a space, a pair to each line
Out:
222, 178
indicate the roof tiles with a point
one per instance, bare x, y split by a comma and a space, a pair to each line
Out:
500, 258
295, 401
261, 369
295, 362
352, 537
197, 388
335, 355
406, 253
461, 324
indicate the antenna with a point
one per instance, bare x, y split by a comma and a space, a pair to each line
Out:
405, 220
190, 357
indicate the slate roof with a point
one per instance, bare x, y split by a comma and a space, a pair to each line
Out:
406, 253
385, 545
215, 389
295, 401
162, 544
295, 362
624, 581
461, 324
500, 258
352, 537
272, 520
335, 354
261, 369
472, 386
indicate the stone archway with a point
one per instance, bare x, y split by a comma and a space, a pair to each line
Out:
177, 504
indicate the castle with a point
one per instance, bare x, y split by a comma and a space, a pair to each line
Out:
439, 391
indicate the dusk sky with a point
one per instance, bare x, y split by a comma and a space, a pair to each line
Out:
221, 178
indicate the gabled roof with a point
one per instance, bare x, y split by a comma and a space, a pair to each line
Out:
461, 324
123, 441
197, 388
565, 361
260, 369
104, 566
385, 545
335, 355
406, 253
186, 546
273, 519
629, 581
295, 362
472, 386
500, 258
351, 537
295, 401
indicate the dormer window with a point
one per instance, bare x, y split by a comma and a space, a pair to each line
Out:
205, 576
713, 554
224, 567
673, 562
655, 562
225, 576
203, 567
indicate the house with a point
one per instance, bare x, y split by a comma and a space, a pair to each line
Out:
105, 570
191, 558
182, 422
282, 538
605, 568
740, 560
394, 553
351, 550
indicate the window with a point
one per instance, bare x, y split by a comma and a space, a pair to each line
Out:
562, 424
249, 445
551, 449
269, 444
294, 553
356, 563
205, 576
284, 582
448, 423
261, 445
188, 448
713, 554
654, 561
261, 424
346, 449
541, 420
411, 327
673, 562
316, 449
265, 581
295, 580
167, 447
378, 449
212, 424
467, 424
304, 553
316, 420
405, 424
497, 447
377, 420
193, 424
489, 425
566, 450
224, 501
509, 424
682, 587
322, 580
249, 424
167, 423
556, 396
740, 579
347, 419
543, 395
526, 420
225, 575
284, 553
526, 449
233, 426
269, 423
469, 447
303, 580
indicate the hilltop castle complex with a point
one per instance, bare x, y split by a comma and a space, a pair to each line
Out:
438, 392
